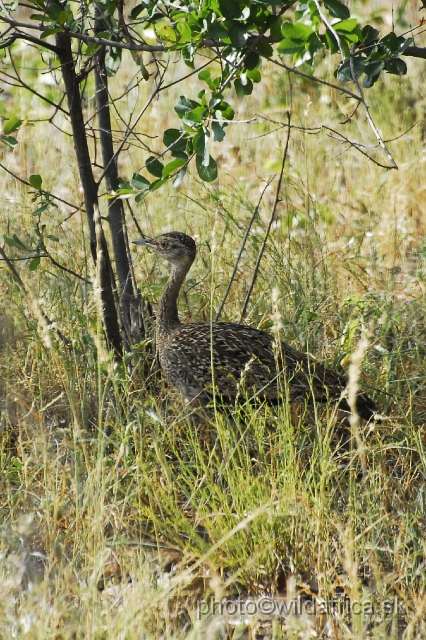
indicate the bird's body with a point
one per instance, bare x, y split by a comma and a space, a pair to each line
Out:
235, 361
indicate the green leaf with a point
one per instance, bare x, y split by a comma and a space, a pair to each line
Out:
347, 26
205, 76
14, 241
184, 31
184, 105
173, 166
239, 88
390, 41
112, 61
51, 32
314, 44
91, 48
35, 181
207, 173
171, 138
252, 60
230, 9
247, 87
199, 142
180, 176
314, 13
139, 182
194, 116
141, 196
369, 80
54, 11
275, 30
155, 167
40, 17
404, 45
331, 41
40, 209
396, 66
217, 32
238, 35
53, 238
166, 33
123, 185
157, 184
123, 194
137, 10
254, 75
296, 31
344, 74
188, 53
227, 111
11, 125
214, 102
9, 140
243, 86
369, 34
337, 9
374, 68
218, 130
34, 264
265, 49
287, 46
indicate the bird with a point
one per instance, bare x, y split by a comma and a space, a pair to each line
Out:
232, 360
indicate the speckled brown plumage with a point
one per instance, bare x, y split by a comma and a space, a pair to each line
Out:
236, 360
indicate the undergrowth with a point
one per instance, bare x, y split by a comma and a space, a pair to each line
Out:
121, 507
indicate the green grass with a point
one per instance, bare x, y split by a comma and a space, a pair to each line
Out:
119, 509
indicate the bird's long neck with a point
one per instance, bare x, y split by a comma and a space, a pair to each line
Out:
167, 313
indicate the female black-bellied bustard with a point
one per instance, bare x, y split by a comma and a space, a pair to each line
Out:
201, 357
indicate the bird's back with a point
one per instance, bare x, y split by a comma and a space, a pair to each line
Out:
236, 359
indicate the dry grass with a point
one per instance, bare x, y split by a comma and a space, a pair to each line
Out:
119, 511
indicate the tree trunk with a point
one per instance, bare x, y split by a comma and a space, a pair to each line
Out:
90, 191
131, 303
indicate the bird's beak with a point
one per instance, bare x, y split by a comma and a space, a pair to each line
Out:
147, 242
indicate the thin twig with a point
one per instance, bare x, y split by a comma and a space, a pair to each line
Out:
337, 136
33, 91
69, 204
20, 283
240, 253
20, 35
136, 223
130, 130
209, 43
61, 266
312, 78
46, 254
367, 111
330, 28
271, 220
340, 137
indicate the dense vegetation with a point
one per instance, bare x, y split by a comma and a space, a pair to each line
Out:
119, 509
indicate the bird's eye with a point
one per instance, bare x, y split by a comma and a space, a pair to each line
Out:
163, 244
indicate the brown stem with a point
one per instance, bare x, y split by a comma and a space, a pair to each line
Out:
271, 220
112, 329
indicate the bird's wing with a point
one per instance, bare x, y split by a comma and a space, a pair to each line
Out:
245, 357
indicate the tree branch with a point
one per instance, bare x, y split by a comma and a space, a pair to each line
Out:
415, 52
20, 35
20, 283
367, 110
240, 253
271, 220
313, 78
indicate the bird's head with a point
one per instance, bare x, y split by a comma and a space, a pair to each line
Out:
175, 247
